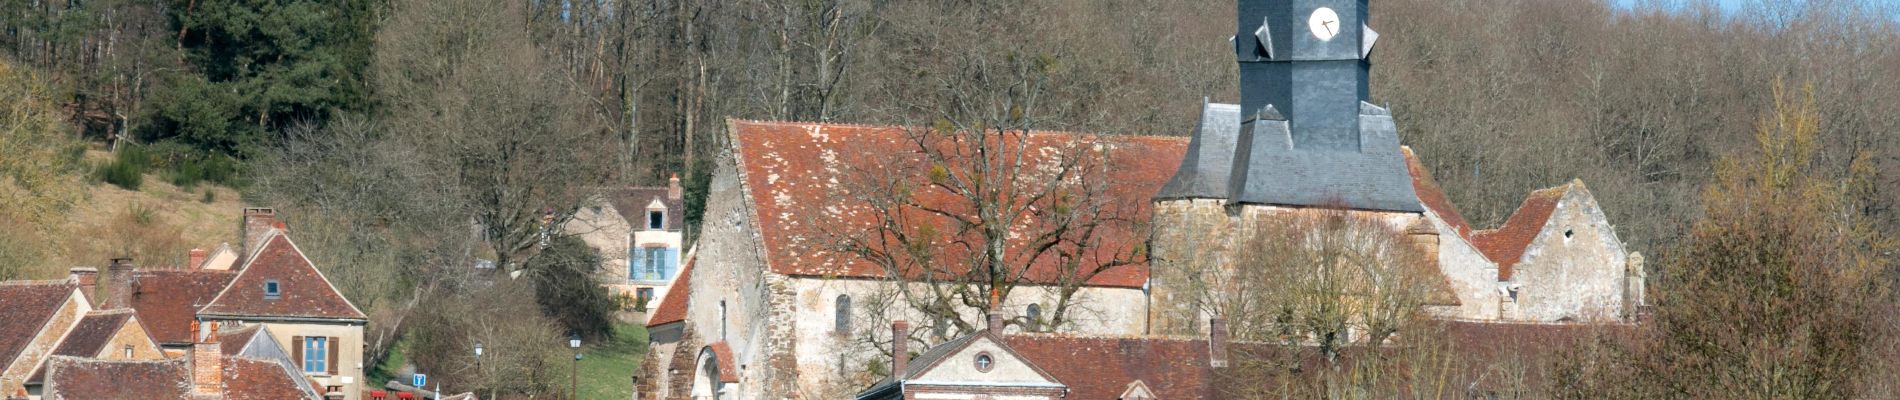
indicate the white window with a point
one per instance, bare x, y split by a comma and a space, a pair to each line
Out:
316, 354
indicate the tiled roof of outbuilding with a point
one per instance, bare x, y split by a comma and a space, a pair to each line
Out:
168, 300
793, 174
1102, 367
673, 306
1433, 196
1506, 244
89, 337
25, 307
253, 379
69, 378
304, 292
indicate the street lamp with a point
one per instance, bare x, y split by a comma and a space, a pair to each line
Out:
574, 342
478, 367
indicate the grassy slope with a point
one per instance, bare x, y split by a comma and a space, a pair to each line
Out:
607, 369
103, 224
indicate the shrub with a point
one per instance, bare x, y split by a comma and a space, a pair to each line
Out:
122, 174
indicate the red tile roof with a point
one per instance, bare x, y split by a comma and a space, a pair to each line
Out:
25, 308
1433, 196
89, 337
793, 174
728, 370
91, 379
254, 379
304, 292
1102, 367
673, 306
232, 341
168, 300
1506, 244
76, 378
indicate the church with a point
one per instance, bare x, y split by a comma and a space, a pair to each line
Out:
767, 305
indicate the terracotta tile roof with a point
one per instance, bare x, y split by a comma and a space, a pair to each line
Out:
253, 379
1102, 367
25, 308
168, 300
232, 342
89, 337
792, 174
728, 370
632, 204
69, 378
1432, 195
1506, 244
673, 307
304, 292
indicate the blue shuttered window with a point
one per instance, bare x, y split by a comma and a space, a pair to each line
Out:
652, 264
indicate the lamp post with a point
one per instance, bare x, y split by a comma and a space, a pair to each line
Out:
478, 368
574, 342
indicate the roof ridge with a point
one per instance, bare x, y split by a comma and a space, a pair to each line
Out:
1032, 131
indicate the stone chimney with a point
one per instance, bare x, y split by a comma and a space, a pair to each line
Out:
673, 190
900, 348
118, 284
87, 278
1217, 343
996, 323
197, 259
207, 363
257, 223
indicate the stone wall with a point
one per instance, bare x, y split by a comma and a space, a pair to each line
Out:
1574, 269
829, 359
1194, 241
1471, 276
131, 334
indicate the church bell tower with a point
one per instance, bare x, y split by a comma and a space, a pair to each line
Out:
1306, 58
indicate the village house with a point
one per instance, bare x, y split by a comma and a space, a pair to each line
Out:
58, 346
767, 307
273, 294
639, 232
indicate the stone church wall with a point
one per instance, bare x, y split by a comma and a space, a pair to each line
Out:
1574, 269
1195, 240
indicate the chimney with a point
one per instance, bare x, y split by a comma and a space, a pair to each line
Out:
996, 323
257, 223
197, 259
673, 190
207, 363
900, 348
87, 278
118, 284
1217, 343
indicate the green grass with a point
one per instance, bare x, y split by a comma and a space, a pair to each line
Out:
607, 369
386, 370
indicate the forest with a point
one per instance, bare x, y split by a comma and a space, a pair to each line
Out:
384, 127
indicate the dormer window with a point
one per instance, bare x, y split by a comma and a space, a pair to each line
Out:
656, 220
272, 290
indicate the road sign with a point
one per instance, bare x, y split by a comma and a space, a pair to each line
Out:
419, 380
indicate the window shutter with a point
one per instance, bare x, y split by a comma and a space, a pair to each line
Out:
296, 351
667, 256
330, 347
633, 263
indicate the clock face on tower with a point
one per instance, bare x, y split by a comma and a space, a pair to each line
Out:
1324, 23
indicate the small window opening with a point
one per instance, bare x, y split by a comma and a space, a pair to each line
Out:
128, 351
843, 314
1568, 233
656, 220
271, 290
1035, 318
984, 363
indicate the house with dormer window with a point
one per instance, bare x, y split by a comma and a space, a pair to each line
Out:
639, 233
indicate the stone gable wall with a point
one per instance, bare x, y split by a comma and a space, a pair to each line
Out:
1579, 276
